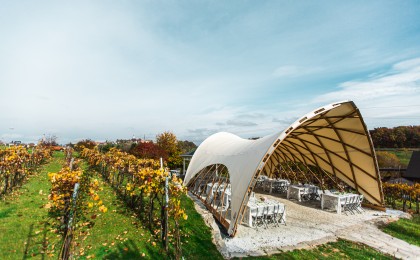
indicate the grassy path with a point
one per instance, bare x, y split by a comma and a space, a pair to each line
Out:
24, 223
119, 234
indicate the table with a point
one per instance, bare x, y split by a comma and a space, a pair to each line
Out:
269, 184
254, 205
226, 197
296, 191
211, 188
335, 200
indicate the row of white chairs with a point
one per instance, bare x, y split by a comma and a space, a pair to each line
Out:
269, 215
353, 204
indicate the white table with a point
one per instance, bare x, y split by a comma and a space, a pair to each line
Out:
268, 184
212, 187
335, 200
254, 205
296, 191
226, 197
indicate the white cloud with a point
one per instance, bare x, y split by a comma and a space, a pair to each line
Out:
113, 69
393, 95
401, 82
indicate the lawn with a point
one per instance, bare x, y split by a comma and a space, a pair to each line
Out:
405, 229
24, 228
404, 156
342, 249
119, 234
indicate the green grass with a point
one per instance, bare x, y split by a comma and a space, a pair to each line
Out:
24, 223
198, 244
341, 249
405, 229
404, 155
119, 234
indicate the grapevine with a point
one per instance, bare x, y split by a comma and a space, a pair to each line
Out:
141, 183
17, 163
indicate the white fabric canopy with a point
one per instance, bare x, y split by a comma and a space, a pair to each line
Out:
333, 138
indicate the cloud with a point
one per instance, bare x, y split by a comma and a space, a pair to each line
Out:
124, 68
251, 116
387, 99
285, 121
235, 122
11, 136
400, 82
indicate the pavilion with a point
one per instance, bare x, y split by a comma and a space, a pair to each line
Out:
328, 145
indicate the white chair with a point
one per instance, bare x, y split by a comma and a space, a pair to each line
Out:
269, 215
258, 217
358, 205
349, 204
281, 214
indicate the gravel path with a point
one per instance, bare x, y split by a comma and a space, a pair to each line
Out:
308, 226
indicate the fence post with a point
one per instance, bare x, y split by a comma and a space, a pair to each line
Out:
69, 232
165, 211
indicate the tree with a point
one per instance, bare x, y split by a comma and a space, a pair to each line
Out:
168, 142
148, 151
397, 137
186, 146
48, 140
387, 160
87, 143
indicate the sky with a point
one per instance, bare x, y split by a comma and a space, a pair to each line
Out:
107, 70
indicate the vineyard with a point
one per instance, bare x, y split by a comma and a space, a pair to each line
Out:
402, 195
109, 205
143, 183
17, 163
77, 206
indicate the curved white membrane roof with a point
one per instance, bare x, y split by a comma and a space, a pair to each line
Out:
333, 138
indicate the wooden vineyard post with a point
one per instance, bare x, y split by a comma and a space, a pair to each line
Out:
65, 252
165, 211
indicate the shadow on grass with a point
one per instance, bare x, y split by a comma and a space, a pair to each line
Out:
129, 250
36, 244
5, 213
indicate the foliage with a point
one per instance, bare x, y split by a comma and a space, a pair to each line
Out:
397, 137
139, 181
387, 160
405, 229
403, 193
87, 143
16, 163
25, 229
148, 150
48, 141
167, 141
106, 147
186, 146
62, 188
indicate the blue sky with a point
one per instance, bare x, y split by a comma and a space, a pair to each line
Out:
113, 69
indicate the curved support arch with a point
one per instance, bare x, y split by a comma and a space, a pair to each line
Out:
333, 139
